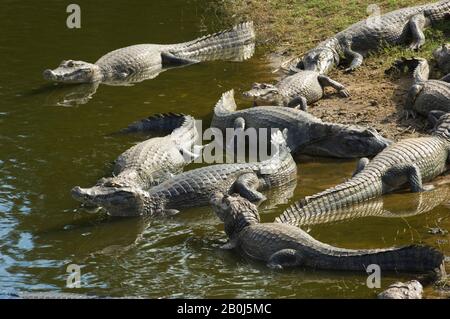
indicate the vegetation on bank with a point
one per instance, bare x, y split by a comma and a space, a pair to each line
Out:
291, 27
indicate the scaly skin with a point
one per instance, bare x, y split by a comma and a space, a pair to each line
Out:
150, 162
394, 28
426, 95
442, 57
282, 245
399, 290
409, 162
145, 61
298, 90
306, 133
194, 188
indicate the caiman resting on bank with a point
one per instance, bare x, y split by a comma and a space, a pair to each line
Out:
306, 133
298, 90
407, 163
281, 245
372, 34
426, 95
151, 59
195, 187
151, 162
442, 57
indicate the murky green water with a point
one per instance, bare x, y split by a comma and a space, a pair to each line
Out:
48, 145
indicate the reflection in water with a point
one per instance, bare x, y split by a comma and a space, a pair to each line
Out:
390, 206
71, 95
279, 195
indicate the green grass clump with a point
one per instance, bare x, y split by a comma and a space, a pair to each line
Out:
298, 25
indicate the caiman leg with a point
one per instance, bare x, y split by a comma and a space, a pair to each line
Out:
326, 81
357, 58
434, 116
283, 258
246, 185
299, 102
409, 171
168, 59
361, 165
408, 110
446, 78
417, 24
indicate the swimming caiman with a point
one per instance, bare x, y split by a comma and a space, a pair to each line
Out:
297, 90
426, 95
306, 133
195, 187
407, 163
145, 61
281, 245
154, 160
372, 34
442, 57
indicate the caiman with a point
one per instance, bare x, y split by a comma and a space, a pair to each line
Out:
194, 188
145, 61
403, 290
407, 163
374, 33
442, 57
297, 90
426, 95
306, 133
151, 162
282, 245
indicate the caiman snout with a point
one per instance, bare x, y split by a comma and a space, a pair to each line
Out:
49, 75
117, 201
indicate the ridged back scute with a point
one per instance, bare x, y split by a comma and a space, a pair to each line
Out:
226, 104
206, 47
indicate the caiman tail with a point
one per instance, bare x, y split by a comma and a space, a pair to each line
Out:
413, 258
226, 104
360, 188
236, 43
164, 122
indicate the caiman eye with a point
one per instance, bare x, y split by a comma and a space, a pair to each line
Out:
70, 64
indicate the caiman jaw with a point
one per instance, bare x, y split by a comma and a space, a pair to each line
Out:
117, 201
73, 72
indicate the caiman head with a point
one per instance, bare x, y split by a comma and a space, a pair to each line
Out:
319, 60
118, 201
234, 211
442, 56
344, 141
74, 72
263, 94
